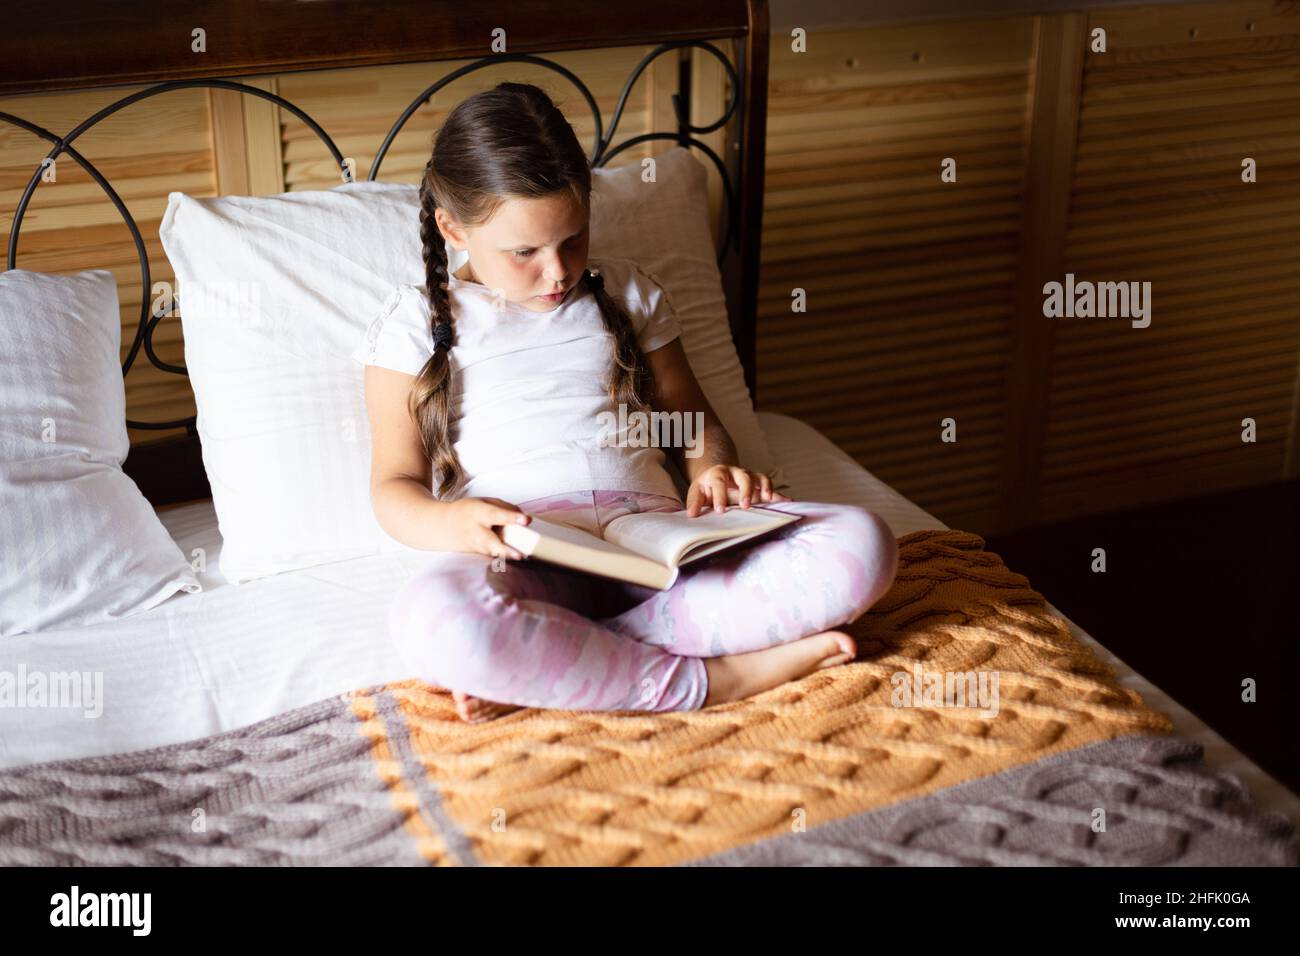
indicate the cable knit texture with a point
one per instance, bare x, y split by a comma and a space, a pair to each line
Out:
1072, 770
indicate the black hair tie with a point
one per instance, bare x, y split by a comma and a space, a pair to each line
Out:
594, 280
442, 336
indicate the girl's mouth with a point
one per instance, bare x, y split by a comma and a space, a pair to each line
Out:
552, 298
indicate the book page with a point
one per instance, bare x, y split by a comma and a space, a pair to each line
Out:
577, 548
666, 536
570, 535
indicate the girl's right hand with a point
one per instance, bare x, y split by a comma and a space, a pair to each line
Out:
468, 522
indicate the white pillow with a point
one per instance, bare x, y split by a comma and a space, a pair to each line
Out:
276, 292
79, 543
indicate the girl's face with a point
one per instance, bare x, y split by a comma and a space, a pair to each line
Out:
531, 247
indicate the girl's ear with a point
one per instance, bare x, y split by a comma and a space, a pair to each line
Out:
451, 230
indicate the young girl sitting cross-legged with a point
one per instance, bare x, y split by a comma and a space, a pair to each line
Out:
493, 380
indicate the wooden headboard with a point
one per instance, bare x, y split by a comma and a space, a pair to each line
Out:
129, 44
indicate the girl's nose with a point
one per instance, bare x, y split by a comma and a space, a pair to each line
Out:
555, 270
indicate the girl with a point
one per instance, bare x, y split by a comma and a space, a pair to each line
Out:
494, 377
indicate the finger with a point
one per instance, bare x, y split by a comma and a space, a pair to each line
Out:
744, 485
765, 487
501, 514
494, 547
719, 487
511, 516
488, 543
692, 501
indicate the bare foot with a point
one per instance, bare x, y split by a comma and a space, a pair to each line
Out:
737, 676
476, 710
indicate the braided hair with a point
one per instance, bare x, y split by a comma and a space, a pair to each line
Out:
507, 142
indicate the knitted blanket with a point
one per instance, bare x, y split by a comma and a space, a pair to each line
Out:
973, 729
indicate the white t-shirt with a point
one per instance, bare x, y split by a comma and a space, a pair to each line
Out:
528, 387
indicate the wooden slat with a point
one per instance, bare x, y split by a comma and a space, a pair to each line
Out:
262, 126
229, 146
1057, 77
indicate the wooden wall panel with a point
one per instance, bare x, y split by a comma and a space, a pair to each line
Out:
925, 300
1168, 112
909, 280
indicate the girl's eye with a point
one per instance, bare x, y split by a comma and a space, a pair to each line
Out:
525, 253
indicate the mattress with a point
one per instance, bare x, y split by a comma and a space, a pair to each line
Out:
234, 655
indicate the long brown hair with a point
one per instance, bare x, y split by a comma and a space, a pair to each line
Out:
499, 144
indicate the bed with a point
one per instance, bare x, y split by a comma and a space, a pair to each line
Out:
277, 712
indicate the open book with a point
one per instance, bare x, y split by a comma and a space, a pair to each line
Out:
646, 548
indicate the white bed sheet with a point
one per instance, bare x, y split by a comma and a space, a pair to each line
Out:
232, 655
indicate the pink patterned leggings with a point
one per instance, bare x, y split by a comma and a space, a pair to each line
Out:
539, 635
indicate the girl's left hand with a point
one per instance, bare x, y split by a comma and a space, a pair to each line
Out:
721, 485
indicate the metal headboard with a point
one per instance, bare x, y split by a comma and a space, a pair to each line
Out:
165, 471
